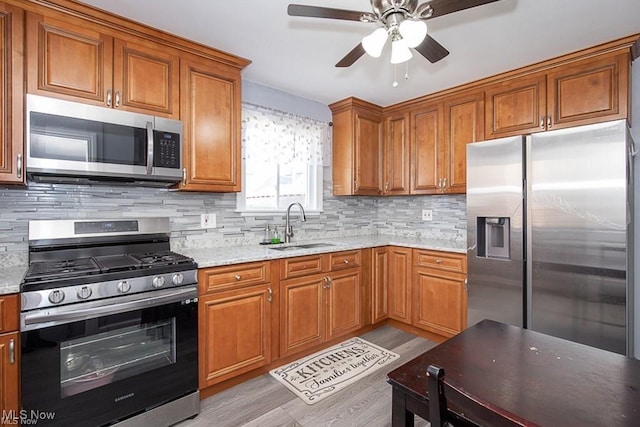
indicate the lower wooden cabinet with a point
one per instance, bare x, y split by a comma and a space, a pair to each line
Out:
400, 283
9, 358
320, 307
379, 284
439, 292
235, 326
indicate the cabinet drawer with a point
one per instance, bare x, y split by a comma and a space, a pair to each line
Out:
346, 259
9, 313
301, 266
234, 276
441, 260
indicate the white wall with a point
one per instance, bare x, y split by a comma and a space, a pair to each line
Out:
635, 132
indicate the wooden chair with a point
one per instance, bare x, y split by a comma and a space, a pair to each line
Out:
439, 414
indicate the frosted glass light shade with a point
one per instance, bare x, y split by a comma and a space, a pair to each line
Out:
400, 52
374, 42
413, 32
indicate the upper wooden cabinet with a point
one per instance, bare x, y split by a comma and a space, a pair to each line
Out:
440, 132
587, 91
12, 96
79, 60
211, 110
396, 154
357, 148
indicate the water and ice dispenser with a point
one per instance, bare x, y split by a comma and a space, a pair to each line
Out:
494, 239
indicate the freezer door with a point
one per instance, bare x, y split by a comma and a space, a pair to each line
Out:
577, 242
495, 231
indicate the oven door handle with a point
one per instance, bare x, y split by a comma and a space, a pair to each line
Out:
47, 317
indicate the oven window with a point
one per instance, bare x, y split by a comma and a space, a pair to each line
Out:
96, 360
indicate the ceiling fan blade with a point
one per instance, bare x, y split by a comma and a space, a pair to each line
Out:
324, 12
431, 49
352, 56
444, 7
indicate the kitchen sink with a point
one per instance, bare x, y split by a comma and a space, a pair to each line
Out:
301, 246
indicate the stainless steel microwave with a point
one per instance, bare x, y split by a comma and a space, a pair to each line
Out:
71, 142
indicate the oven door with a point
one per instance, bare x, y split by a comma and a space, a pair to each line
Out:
98, 362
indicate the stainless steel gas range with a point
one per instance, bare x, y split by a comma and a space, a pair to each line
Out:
109, 325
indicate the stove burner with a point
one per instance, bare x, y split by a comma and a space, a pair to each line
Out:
116, 263
57, 269
161, 258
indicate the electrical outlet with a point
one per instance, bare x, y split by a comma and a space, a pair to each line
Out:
208, 220
427, 215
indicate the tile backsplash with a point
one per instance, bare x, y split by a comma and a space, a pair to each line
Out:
342, 216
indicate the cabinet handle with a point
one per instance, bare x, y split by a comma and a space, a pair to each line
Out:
438, 261
465, 285
12, 352
109, 98
444, 184
327, 282
117, 98
270, 294
541, 122
355, 185
238, 277
549, 122
346, 261
19, 166
386, 187
184, 177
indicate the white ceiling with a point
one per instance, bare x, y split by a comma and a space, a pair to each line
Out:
297, 55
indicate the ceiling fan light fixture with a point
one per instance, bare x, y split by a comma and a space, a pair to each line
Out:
400, 52
413, 32
374, 42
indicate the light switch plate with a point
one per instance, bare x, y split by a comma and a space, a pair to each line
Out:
208, 220
427, 215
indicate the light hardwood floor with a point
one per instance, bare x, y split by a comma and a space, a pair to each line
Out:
263, 402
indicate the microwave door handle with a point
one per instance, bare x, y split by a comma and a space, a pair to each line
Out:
149, 148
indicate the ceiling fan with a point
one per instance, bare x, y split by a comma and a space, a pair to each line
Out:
402, 21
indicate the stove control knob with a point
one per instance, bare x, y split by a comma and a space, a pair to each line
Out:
84, 292
124, 287
177, 279
56, 296
158, 282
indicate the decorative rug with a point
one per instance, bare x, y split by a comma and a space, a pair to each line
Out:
321, 374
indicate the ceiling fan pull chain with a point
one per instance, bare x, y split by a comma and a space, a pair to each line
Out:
406, 71
395, 76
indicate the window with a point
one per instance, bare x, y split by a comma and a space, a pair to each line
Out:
282, 160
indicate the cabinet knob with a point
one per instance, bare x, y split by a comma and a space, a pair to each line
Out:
438, 261
346, 261
238, 277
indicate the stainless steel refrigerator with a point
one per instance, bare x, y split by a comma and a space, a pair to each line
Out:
549, 230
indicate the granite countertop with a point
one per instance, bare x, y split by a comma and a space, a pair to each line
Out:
10, 277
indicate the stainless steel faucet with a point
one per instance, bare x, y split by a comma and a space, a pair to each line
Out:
288, 228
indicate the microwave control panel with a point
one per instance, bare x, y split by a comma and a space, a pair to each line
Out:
167, 150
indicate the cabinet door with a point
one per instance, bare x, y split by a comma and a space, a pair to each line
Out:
68, 59
302, 317
426, 148
11, 98
345, 313
464, 118
146, 79
396, 154
438, 302
379, 284
589, 91
368, 153
400, 284
516, 107
9, 377
234, 333
210, 109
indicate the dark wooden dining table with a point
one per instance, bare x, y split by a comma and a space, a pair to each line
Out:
517, 376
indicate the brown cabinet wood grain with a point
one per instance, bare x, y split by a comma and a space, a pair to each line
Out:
12, 96
396, 154
75, 59
235, 320
9, 359
211, 112
427, 135
302, 313
439, 292
400, 283
357, 148
379, 284
344, 299
590, 90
